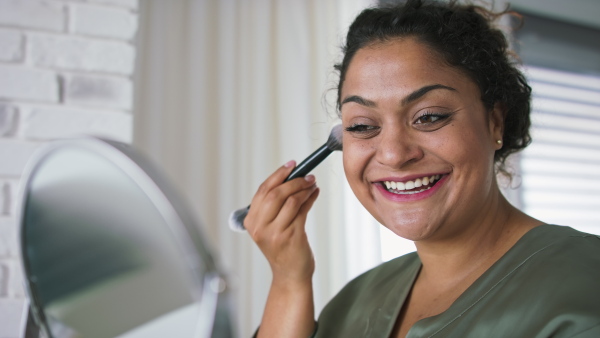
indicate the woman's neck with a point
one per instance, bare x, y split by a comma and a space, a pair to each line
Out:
472, 250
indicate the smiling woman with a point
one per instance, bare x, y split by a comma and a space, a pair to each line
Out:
417, 117
431, 105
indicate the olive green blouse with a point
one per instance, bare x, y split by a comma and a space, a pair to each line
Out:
546, 285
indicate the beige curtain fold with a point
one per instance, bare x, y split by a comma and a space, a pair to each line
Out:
226, 92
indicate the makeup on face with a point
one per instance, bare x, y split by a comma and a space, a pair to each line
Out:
418, 150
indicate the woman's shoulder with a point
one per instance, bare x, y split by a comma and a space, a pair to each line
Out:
564, 258
552, 260
561, 232
549, 277
556, 241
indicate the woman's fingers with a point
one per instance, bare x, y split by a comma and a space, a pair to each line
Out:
284, 194
295, 208
302, 214
273, 181
271, 197
257, 201
280, 205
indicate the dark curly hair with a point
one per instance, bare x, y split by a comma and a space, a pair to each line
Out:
465, 37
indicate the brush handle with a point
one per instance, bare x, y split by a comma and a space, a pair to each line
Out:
309, 163
236, 218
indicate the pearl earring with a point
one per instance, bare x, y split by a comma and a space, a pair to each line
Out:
499, 141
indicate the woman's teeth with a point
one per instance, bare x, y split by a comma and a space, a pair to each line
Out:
402, 187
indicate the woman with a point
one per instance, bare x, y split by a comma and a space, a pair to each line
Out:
431, 106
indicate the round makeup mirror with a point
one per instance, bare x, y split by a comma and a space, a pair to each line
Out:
108, 250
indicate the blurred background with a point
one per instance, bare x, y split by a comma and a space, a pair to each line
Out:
220, 93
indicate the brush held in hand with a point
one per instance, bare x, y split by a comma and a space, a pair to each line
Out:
334, 142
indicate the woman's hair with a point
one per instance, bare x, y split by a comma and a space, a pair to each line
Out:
465, 37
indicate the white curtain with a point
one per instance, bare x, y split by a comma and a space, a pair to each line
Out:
226, 92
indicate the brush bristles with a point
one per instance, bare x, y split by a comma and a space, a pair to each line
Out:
334, 142
236, 219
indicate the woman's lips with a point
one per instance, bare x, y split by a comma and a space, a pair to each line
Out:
423, 182
411, 190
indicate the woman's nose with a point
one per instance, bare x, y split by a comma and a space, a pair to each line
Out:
397, 149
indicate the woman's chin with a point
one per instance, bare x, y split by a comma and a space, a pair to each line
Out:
414, 231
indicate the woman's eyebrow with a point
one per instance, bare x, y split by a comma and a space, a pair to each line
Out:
411, 97
422, 91
360, 100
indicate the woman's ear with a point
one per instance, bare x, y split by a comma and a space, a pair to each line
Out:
496, 122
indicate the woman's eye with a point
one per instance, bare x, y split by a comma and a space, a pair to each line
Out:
362, 129
431, 118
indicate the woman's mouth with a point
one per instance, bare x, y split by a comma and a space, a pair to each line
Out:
415, 186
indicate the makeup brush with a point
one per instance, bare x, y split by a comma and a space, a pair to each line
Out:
334, 142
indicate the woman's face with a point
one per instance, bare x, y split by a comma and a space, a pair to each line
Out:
418, 143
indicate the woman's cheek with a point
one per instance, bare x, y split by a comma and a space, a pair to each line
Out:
355, 156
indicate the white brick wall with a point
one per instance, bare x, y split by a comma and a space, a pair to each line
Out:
11, 45
65, 69
45, 15
81, 53
92, 19
8, 119
98, 91
23, 83
42, 123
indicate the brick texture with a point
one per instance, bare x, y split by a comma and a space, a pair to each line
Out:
10, 189
17, 153
5, 209
8, 119
98, 91
55, 123
46, 15
83, 54
4, 278
28, 84
15, 287
133, 4
91, 20
11, 45
65, 70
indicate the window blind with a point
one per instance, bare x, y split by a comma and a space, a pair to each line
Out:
560, 170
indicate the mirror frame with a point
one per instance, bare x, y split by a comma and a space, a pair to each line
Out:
209, 284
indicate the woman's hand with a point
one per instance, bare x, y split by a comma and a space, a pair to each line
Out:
276, 223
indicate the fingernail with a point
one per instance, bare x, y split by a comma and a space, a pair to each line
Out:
309, 178
290, 164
